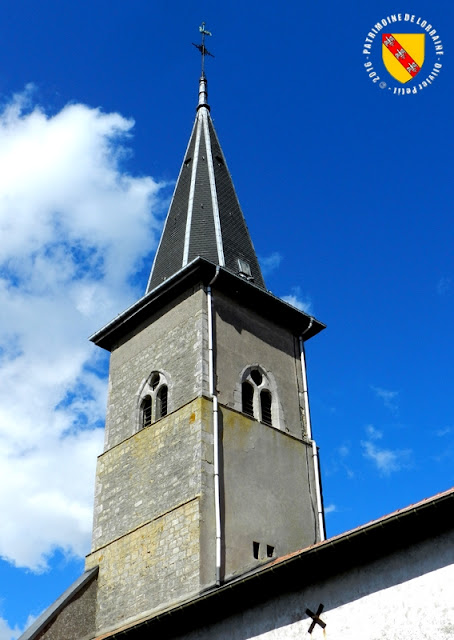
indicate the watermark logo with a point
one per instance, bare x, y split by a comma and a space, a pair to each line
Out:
404, 60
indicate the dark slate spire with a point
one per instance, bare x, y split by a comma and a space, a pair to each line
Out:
205, 218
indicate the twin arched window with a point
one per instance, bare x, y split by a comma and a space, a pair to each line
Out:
256, 397
153, 404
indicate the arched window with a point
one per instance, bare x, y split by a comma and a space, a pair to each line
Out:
265, 406
247, 396
153, 403
161, 402
146, 407
256, 397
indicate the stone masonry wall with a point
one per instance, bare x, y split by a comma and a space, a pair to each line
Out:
149, 473
154, 516
244, 338
152, 567
172, 342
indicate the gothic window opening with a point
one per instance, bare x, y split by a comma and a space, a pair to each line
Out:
154, 380
248, 399
146, 411
154, 399
161, 402
256, 397
265, 405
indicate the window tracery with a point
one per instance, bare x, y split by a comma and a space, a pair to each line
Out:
256, 397
153, 403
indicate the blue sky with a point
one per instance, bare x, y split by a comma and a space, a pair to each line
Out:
347, 191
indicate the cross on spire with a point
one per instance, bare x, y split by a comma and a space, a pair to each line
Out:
205, 218
201, 47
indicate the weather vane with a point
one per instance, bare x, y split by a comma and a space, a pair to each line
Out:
201, 47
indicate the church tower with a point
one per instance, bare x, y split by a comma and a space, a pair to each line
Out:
209, 469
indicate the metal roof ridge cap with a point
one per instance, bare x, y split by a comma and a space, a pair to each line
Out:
213, 191
190, 207
170, 206
210, 120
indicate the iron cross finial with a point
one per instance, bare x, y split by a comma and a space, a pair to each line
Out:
201, 47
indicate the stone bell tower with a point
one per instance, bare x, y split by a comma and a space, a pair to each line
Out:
209, 468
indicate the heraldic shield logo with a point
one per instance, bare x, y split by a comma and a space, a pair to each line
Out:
403, 54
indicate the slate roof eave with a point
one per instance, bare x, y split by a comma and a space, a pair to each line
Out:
203, 271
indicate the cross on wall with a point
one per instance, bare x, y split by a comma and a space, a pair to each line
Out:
315, 618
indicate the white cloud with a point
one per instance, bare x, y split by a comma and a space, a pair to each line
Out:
342, 460
297, 300
444, 286
331, 508
7, 633
344, 451
389, 398
440, 433
373, 433
387, 461
75, 228
270, 263
339, 461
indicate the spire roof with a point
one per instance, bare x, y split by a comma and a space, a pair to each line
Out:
205, 217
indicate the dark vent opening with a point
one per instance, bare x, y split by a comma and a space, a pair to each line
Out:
219, 160
154, 380
187, 161
247, 393
269, 551
257, 377
256, 549
265, 403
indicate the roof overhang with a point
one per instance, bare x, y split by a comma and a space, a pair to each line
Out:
203, 271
